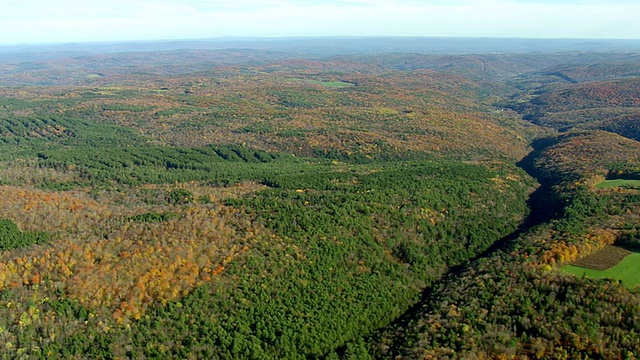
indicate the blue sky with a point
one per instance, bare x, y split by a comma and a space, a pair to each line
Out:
46, 21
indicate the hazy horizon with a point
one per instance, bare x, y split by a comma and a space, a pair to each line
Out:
231, 39
77, 21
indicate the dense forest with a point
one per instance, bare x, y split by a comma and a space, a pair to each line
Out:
275, 202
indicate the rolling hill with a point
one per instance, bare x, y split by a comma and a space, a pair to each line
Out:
283, 200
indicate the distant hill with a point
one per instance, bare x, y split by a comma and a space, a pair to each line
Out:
620, 93
581, 68
609, 105
484, 58
584, 154
625, 125
314, 46
86, 68
338, 109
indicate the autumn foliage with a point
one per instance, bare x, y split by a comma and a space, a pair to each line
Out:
103, 260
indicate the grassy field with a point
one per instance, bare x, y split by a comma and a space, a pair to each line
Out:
626, 270
328, 84
619, 183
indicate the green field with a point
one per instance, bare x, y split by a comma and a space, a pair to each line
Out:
619, 183
328, 84
627, 271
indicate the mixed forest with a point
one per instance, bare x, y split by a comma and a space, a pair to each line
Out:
294, 203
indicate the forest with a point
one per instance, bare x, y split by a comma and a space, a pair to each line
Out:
277, 201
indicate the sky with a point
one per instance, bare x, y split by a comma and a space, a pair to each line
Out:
63, 21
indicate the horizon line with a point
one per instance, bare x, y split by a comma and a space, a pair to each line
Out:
227, 38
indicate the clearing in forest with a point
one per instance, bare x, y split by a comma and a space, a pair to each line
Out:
633, 184
328, 84
611, 262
